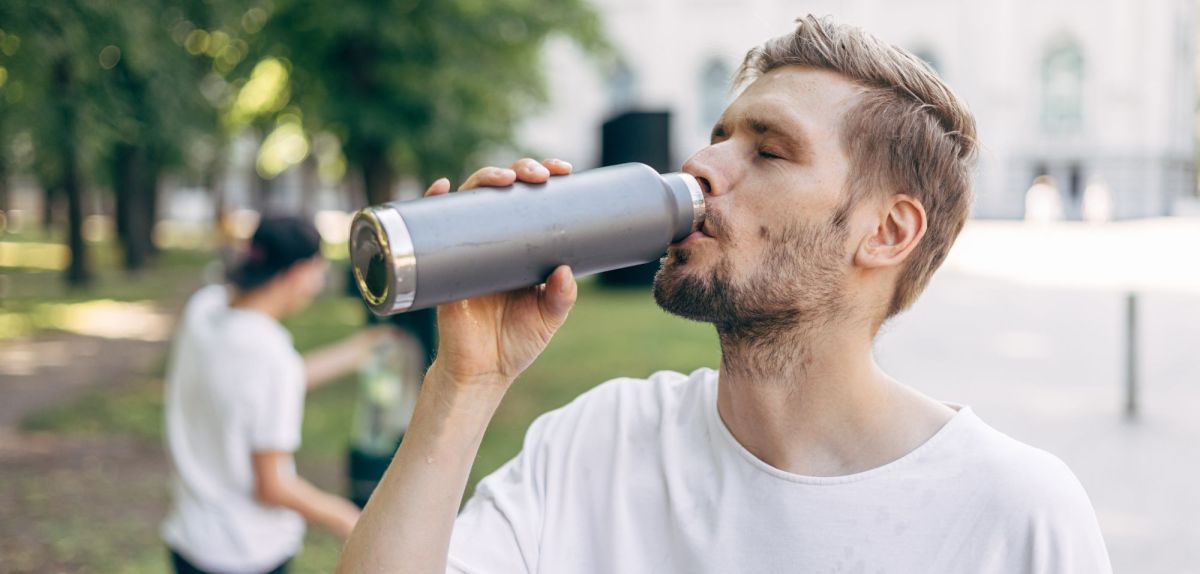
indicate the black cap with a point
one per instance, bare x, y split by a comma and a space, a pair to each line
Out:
278, 243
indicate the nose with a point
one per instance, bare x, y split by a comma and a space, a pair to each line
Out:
704, 165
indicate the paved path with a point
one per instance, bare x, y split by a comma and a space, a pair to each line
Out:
1046, 366
57, 367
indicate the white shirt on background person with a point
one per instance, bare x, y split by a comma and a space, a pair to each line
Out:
235, 385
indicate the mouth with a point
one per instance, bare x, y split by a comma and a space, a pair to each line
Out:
698, 235
704, 231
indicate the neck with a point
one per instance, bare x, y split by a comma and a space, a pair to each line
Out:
812, 401
261, 300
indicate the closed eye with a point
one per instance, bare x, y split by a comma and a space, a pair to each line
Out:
718, 134
767, 154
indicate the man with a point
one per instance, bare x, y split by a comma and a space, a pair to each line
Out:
234, 402
835, 184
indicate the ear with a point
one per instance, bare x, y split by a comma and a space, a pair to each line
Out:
900, 227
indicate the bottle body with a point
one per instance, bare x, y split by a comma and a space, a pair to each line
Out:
425, 252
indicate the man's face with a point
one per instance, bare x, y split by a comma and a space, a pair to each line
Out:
773, 252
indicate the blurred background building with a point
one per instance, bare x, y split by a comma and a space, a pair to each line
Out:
1085, 92
1098, 94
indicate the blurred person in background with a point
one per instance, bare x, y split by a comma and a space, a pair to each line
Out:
234, 402
835, 184
1043, 202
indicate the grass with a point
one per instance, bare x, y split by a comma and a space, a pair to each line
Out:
610, 333
34, 297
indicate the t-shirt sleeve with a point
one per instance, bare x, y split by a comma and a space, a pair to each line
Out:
1065, 534
499, 529
276, 408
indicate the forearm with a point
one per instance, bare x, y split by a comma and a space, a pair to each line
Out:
315, 505
406, 527
333, 361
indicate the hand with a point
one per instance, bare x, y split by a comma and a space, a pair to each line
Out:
491, 339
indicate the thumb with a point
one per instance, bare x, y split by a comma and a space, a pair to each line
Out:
557, 297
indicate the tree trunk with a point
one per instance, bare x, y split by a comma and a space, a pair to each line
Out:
310, 185
261, 190
149, 193
77, 272
50, 195
214, 182
3, 184
129, 171
378, 176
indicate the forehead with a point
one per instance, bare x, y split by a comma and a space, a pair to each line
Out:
796, 98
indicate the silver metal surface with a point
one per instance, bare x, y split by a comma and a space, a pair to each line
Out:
697, 193
390, 237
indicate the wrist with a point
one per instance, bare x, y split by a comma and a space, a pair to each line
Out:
465, 403
467, 385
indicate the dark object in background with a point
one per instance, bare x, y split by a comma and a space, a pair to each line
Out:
643, 137
422, 324
365, 469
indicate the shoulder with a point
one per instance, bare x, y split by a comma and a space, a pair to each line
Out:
206, 300
1026, 482
256, 335
1035, 499
626, 407
647, 399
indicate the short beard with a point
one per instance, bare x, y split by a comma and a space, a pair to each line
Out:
797, 289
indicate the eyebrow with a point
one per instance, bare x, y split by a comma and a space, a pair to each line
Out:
795, 138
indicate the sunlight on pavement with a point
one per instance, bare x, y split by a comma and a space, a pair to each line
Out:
1148, 254
104, 318
23, 358
51, 256
115, 320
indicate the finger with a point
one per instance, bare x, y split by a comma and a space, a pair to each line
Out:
530, 171
489, 177
438, 187
557, 166
558, 296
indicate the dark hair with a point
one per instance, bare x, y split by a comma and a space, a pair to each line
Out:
279, 243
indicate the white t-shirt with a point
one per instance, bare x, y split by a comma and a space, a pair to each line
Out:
643, 476
235, 385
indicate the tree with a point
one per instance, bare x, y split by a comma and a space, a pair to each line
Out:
44, 49
418, 87
108, 96
154, 110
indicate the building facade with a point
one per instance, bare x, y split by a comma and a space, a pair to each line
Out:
1088, 92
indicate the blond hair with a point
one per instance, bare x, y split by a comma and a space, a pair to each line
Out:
907, 133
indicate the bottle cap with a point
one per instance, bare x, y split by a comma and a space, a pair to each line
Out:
385, 264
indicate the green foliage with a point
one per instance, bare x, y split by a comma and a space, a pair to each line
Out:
609, 334
128, 80
424, 85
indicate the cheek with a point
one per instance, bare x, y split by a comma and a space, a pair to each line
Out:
317, 284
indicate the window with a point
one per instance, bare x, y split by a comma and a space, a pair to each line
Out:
714, 92
622, 88
1062, 88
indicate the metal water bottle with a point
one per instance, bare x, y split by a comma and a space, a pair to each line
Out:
419, 253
